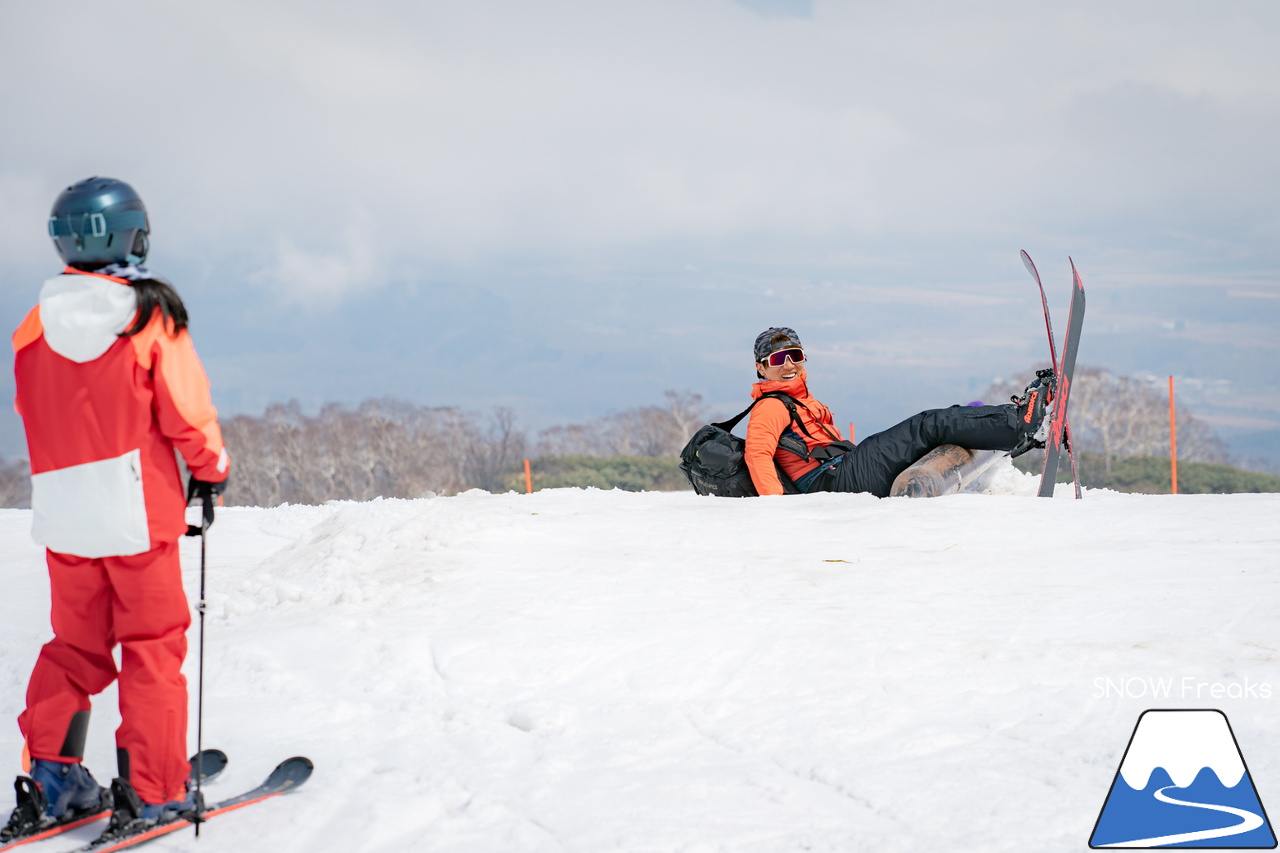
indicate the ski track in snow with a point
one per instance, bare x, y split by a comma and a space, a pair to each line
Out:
579, 670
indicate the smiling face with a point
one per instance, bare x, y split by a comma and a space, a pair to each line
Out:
784, 372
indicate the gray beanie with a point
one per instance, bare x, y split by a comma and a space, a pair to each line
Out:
766, 343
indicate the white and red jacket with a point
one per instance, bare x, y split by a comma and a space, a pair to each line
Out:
103, 416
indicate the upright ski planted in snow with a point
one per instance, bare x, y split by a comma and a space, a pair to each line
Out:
1067, 367
1053, 359
287, 776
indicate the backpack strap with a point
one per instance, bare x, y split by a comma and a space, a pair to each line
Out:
728, 425
822, 452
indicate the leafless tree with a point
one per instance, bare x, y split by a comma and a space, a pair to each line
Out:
488, 454
382, 448
687, 412
573, 440
643, 431
15, 483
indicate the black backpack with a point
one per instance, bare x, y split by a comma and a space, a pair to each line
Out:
714, 460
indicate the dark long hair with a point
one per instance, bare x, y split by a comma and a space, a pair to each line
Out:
152, 294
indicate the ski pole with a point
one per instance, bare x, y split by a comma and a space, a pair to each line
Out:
206, 519
204, 530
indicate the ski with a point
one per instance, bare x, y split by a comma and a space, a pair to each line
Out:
1053, 359
1057, 427
288, 775
213, 762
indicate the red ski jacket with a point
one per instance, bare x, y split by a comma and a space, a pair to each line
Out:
769, 419
103, 416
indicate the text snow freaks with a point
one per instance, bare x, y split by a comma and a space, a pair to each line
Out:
1186, 687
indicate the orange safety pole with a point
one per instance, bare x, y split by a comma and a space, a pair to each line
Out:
528, 479
1173, 441
851, 431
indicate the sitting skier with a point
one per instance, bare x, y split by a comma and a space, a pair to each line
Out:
109, 387
818, 459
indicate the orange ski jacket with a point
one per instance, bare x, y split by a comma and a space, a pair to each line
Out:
770, 419
103, 416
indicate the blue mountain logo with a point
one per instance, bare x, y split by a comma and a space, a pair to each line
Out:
1183, 783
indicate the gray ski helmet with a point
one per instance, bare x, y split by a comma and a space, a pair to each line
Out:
99, 221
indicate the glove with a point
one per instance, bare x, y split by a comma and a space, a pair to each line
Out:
205, 491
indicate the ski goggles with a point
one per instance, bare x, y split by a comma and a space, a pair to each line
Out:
793, 354
97, 224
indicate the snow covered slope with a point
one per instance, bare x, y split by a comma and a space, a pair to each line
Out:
588, 671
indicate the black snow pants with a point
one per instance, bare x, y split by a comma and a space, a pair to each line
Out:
877, 460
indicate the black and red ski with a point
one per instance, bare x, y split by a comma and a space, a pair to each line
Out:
212, 762
287, 776
1067, 368
1053, 359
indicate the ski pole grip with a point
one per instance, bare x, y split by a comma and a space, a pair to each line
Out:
205, 491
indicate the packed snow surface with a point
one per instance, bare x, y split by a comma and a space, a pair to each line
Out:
580, 670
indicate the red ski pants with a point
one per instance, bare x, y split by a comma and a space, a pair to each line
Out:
136, 602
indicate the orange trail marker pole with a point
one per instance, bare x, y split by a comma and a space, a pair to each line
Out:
851, 430
1173, 441
528, 479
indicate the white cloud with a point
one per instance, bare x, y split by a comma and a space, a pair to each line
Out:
24, 211
320, 278
566, 126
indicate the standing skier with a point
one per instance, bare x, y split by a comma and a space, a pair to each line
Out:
108, 387
817, 459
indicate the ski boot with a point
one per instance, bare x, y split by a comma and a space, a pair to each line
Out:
131, 816
53, 795
1035, 412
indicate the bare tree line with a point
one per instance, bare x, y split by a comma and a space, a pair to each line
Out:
1120, 416
390, 448
382, 448
646, 431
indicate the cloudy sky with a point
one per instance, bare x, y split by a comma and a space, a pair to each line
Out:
568, 207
